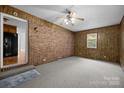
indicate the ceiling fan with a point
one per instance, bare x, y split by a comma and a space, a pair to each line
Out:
70, 17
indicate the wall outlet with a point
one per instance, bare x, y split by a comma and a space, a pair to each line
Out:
104, 56
44, 59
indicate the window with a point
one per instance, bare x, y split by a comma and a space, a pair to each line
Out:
92, 40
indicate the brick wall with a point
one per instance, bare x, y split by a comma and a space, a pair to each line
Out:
108, 44
122, 44
49, 42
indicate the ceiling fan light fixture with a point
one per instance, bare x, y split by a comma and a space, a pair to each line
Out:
66, 23
65, 20
72, 20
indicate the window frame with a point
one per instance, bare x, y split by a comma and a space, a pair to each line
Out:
96, 41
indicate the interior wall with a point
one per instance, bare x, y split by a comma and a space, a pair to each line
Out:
46, 43
49, 42
108, 44
122, 44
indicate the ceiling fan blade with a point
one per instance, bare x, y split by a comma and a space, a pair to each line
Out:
60, 17
72, 24
81, 19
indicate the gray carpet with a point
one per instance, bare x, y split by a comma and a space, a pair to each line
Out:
15, 80
76, 72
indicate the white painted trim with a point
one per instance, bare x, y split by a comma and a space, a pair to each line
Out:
26, 44
7, 15
1, 40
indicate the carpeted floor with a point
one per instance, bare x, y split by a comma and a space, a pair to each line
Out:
16, 80
76, 72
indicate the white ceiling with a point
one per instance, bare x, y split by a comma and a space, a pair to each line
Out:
95, 16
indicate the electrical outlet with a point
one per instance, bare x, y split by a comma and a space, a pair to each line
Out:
104, 56
44, 59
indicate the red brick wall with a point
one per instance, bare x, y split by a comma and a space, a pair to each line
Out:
52, 42
122, 44
107, 44
49, 43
